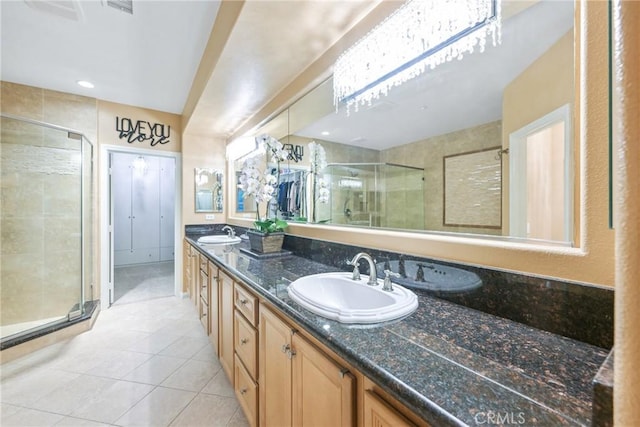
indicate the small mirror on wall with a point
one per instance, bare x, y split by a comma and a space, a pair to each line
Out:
208, 190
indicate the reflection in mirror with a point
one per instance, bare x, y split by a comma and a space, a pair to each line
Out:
208, 190
513, 102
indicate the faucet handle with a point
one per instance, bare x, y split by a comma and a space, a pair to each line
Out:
356, 272
388, 285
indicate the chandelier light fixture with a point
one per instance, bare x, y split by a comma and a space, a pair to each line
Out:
418, 36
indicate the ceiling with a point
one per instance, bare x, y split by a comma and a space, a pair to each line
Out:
145, 59
150, 58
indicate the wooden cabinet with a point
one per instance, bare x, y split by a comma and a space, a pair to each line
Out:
225, 317
299, 384
379, 409
190, 276
214, 299
246, 349
204, 293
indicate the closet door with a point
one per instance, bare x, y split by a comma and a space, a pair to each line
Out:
167, 207
145, 211
121, 201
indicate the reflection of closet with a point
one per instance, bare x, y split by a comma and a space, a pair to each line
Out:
292, 194
143, 200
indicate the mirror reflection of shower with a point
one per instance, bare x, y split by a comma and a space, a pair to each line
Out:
375, 194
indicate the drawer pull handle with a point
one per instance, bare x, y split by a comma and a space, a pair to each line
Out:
244, 341
286, 348
243, 391
243, 301
290, 354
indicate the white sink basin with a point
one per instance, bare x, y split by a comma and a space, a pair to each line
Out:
219, 239
338, 297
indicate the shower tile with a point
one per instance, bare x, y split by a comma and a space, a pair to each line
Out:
22, 235
21, 100
158, 408
113, 402
192, 376
217, 410
155, 370
22, 193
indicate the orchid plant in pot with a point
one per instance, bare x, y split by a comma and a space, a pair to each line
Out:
268, 234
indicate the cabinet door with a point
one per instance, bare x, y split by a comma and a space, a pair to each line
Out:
323, 392
226, 325
145, 208
378, 413
274, 370
213, 307
121, 205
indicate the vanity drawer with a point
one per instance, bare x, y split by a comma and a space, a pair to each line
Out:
246, 392
246, 303
204, 265
246, 344
204, 315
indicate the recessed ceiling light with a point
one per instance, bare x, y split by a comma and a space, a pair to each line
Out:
325, 133
85, 83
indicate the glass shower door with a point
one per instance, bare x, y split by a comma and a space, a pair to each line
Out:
45, 217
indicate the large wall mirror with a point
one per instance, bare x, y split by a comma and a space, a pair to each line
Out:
483, 145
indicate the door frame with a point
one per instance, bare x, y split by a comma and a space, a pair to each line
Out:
518, 161
106, 231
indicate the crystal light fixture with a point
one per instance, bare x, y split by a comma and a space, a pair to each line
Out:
420, 35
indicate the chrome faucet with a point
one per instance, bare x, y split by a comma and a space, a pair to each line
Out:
373, 278
230, 231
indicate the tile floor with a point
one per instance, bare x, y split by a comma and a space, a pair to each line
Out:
145, 363
133, 283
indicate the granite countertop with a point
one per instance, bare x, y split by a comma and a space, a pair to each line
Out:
450, 364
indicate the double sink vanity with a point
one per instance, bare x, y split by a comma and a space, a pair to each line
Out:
303, 342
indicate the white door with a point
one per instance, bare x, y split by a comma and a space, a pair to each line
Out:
541, 200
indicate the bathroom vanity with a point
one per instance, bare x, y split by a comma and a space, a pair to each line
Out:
445, 364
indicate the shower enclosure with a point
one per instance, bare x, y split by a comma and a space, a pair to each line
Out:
46, 219
375, 195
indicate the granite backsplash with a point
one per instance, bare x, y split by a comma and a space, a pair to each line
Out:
574, 310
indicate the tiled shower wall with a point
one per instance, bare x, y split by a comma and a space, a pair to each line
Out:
40, 205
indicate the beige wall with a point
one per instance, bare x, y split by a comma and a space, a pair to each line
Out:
544, 86
200, 152
40, 215
626, 107
107, 133
593, 260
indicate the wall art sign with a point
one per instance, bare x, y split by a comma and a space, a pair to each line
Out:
295, 152
142, 130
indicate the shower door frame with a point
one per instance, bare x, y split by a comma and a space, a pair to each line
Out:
106, 225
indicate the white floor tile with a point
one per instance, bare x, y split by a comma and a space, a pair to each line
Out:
155, 370
206, 410
192, 376
158, 408
66, 399
113, 402
31, 417
185, 347
119, 364
112, 373
25, 389
219, 385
